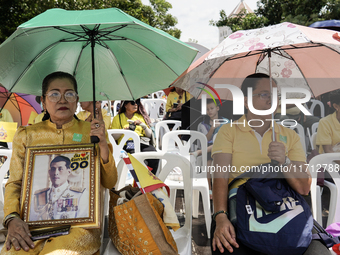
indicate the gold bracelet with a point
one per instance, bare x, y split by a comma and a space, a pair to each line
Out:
10, 217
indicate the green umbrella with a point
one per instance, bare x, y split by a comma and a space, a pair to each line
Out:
110, 53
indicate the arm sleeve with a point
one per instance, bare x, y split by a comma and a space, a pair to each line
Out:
168, 103
296, 152
324, 133
106, 118
224, 140
13, 186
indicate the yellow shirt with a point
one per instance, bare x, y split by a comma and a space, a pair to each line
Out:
46, 133
120, 122
6, 116
241, 141
328, 131
173, 98
83, 115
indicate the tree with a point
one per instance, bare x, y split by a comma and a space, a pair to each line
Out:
303, 12
16, 12
242, 21
271, 12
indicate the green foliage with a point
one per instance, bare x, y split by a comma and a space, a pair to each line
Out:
16, 12
270, 12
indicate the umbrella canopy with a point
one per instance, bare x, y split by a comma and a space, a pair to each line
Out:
19, 105
300, 57
328, 24
110, 53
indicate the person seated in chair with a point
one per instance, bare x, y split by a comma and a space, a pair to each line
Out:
59, 126
240, 145
131, 116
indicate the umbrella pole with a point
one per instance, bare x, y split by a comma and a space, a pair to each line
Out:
94, 139
274, 162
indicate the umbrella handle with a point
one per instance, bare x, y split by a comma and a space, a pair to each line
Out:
274, 162
94, 139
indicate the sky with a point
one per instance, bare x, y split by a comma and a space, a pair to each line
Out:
193, 18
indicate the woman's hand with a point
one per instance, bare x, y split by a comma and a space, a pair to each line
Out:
137, 122
224, 236
19, 235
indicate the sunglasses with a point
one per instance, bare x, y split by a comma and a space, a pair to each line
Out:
132, 102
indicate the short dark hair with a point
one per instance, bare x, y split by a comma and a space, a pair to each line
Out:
122, 108
334, 97
62, 159
251, 81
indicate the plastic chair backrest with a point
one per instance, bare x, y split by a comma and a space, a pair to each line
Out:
117, 148
116, 102
315, 103
326, 161
315, 127
153, 107
158, 94
4, 169
314, 141
299, 130
171, 138
162, 127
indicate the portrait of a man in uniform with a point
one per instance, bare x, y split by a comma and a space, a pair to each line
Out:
61, 200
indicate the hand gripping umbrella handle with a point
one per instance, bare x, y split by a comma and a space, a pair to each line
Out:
94, 139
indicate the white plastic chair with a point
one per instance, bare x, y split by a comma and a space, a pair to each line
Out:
162, 127
315, 103
172, 140
116, 102
183, 235
299, 130
3, 171
117, 148
316, 162
153, 107
315, 127
158, 94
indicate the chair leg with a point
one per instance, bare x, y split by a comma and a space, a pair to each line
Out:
207, 212
195, 203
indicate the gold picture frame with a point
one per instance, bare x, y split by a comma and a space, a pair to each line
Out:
47, 199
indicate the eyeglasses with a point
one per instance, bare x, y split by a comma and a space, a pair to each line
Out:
179, 99
55, 96
266, 96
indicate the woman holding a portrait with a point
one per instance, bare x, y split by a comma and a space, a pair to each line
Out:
59, 126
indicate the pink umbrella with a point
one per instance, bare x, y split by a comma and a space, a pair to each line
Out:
300, 57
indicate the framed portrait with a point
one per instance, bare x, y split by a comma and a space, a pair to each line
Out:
61, 186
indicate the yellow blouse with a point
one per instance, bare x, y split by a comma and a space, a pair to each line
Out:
173, 97
120, 122
46, 133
